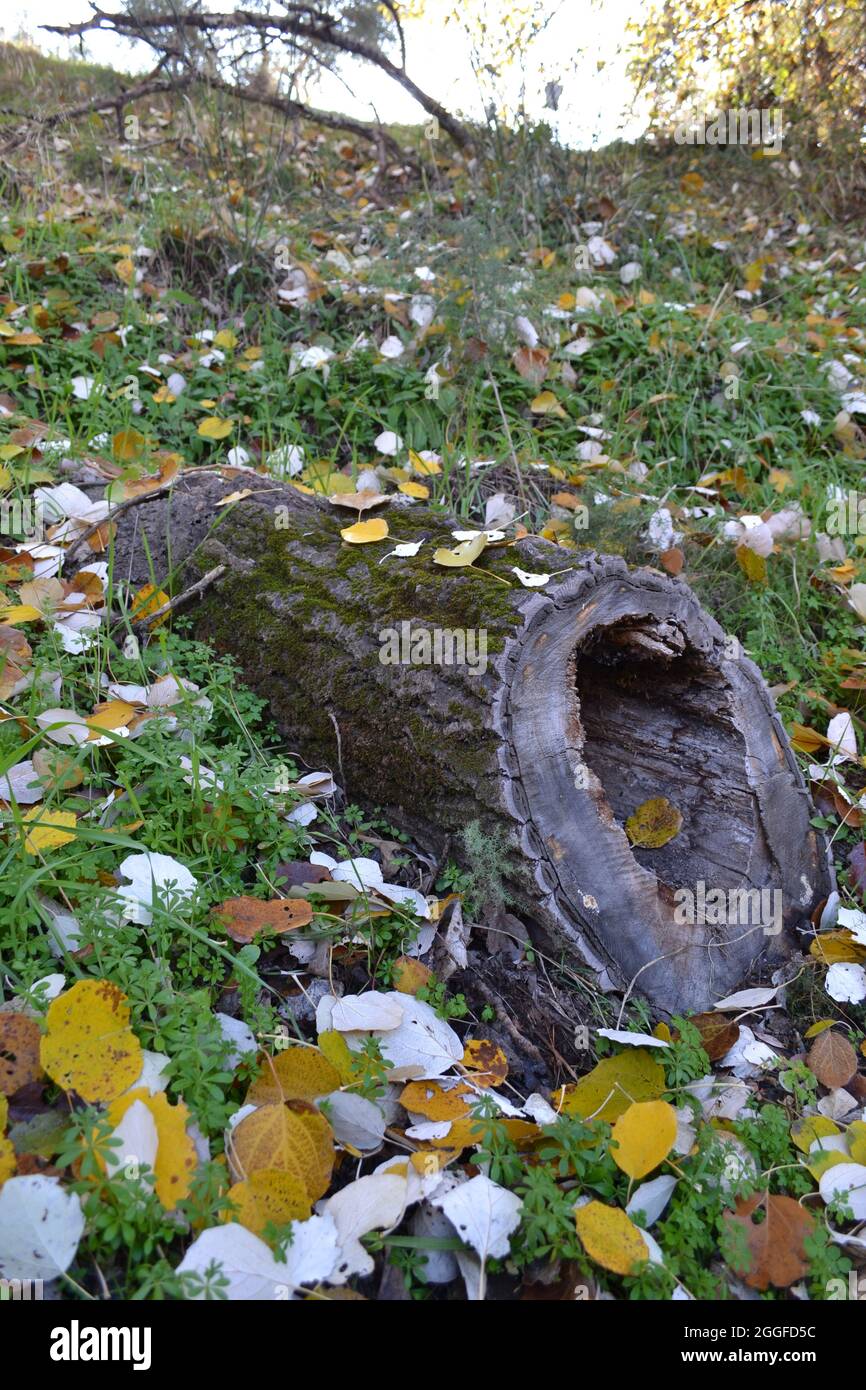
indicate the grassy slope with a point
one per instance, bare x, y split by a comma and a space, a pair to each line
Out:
214, 199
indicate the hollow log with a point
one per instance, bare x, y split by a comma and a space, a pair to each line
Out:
607, 688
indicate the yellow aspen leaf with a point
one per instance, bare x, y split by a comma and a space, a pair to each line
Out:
8, 1160
274, 1137
111, 715
25, 339
269, 1196
610, 1238
754, 566
545, 403
125, 271
691, 182
88, 1046
612, 1086
434, 1102
149, 600
20, 613
363, 532
644, 1136
806, 1130
334, 1047
410, 975
175, 1161
820, 1027
128, 445
486, 1061
4, 1112
654, 823
19, 1053
821, 1160
466, 553
857, 1141
414, 490
226, 339
49, 829
319, 1131
838, 945
214, 428
298, 1073
425, 467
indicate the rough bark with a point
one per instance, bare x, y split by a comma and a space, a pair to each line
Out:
608, 687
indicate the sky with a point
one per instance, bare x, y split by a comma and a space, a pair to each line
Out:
581, 51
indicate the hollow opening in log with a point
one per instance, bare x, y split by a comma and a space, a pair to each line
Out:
657, 722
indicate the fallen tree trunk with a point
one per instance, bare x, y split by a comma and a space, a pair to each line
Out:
607, 688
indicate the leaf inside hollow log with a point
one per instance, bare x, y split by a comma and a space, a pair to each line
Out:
246, 918
654, 823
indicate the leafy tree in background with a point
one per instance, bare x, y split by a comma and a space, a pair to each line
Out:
806, 56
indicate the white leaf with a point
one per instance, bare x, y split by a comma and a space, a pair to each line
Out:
355, 1120
391, 347
840, 732
747, 999
374, 1203
404, 550
424, 1045
239, 1035
483, 1214
651, 1198
138, 1137
40, 1227
530, 581
388, 442
846, 983
369, 1012
526, 331
21, 784
249, 1265
851, 918
846, 1180
631, 1039
71, 728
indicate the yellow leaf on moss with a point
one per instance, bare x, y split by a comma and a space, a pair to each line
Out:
89, 1046
269, 1196
125, 271
49, 829
414, 490
214, 428
610, 1238
298, 1073
644, 1136
654, 823
363, 532
466, 553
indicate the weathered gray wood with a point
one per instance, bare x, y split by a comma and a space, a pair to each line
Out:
608, 687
